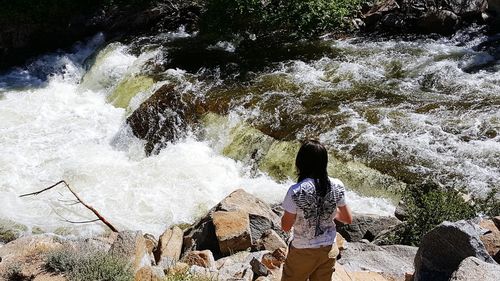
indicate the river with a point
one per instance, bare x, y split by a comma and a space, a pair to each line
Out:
400, 109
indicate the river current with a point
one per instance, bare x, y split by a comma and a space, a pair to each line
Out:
413, 104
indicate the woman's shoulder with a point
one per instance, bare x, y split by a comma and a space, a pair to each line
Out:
306, 184
336, 183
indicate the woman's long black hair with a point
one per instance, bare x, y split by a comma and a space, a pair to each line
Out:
311, 162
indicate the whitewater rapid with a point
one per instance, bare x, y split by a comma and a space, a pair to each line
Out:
55, 127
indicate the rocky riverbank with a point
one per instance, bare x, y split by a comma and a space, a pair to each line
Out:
240, 239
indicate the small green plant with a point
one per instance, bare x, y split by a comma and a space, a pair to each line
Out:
185, 275
89, 266
427, 206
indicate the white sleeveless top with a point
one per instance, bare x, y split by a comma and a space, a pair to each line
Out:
314, 225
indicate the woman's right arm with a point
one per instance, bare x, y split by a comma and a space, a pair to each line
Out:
344, 214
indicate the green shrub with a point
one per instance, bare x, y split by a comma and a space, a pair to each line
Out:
299, 18
427, 206
89, 266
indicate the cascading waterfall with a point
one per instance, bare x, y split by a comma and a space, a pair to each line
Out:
57, 122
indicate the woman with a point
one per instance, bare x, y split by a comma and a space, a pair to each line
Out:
311, 205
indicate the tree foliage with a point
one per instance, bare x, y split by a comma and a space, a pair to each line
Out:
299, 18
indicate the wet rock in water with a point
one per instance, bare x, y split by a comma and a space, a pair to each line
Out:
131, 246
232, 230
200, 258
202, 235
473, 268
391, 261
164, 117
443, 248
169, 247
491, 239
366, 227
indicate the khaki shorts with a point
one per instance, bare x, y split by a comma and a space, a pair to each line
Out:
315, 264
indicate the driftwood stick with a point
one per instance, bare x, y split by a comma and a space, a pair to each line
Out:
96, 213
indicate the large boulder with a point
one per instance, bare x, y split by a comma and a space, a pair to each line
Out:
169, 246
366, 227
443, 248
473, 268
232, 230
390, 261
202, 235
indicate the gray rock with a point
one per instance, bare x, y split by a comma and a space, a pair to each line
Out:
392, 261
474, 269
236, 272
271, 241
258, 268
444, 247
366, 227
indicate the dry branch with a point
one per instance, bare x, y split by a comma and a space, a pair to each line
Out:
96, 213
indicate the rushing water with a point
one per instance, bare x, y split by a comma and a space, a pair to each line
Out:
57, 122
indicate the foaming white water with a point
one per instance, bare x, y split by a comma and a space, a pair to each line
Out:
59, 129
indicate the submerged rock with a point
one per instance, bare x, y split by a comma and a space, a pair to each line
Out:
164, 117
443, 248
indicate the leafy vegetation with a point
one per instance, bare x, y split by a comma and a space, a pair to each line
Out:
428, 205
297, 18
89, 266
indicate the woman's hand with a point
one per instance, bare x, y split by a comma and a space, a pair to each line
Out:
344, 214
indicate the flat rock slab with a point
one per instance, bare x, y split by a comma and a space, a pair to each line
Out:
341, 274
474, 269
392, 261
